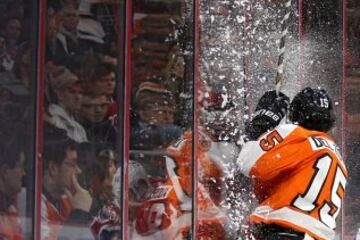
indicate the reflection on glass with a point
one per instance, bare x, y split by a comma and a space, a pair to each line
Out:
17, 94
352, 216
81, 174
160, 174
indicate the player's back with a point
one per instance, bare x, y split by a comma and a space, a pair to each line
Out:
299, 179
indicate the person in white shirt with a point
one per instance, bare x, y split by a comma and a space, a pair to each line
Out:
67, 102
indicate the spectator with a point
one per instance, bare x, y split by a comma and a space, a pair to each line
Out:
84, 66
99, 175
103, 81
19, 81
51, 40
55, 6
23, 68
70, 41
154, 126
12, 171
6, 61
66, 104
12, 33
98, 127
67, 35
89, 28
63, 199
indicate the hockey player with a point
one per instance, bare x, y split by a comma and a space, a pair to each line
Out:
166, 214
298, 172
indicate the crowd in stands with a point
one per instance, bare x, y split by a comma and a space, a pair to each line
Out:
81, 166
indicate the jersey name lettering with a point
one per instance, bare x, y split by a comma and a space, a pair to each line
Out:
318, 143
160, 192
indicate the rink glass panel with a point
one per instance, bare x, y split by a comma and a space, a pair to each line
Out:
17, 134
83, 82
322, 65
159, 169
239, 55
352, 31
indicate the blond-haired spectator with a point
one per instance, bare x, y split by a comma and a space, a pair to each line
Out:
66, 103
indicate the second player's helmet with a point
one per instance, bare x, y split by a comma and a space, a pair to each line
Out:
312, 109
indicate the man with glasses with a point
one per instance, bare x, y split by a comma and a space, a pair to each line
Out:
63, 199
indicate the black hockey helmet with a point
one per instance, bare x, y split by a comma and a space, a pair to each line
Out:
312, 109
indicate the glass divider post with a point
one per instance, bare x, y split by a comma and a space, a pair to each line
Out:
39, 86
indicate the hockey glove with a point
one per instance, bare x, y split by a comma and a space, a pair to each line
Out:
269, 112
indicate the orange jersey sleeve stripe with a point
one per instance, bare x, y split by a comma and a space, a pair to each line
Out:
299, 221
252, 150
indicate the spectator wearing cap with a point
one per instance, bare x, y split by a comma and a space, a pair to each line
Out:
154, 125
89, 27
66, 104
98, 127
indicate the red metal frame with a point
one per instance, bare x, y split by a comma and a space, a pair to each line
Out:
39, 115
344, 114
196, 111
127, 103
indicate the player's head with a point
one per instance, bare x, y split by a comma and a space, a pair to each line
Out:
312, 109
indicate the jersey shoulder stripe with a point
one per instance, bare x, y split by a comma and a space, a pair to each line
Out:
252, 150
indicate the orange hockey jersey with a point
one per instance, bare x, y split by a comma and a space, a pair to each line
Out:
166, 214
300, 179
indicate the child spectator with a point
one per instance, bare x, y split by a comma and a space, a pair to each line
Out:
154, 126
